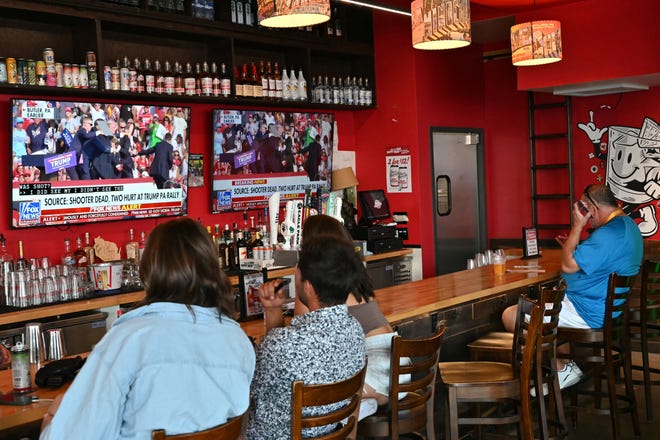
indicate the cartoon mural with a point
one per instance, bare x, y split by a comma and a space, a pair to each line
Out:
632, 158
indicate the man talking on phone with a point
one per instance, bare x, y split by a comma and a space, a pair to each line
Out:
614, 245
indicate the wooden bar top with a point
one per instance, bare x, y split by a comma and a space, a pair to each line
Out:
398, 303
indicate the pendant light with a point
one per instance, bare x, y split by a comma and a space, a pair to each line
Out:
288, 14
440, 24
536, 42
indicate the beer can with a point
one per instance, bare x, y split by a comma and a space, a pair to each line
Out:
83, 78
21, 71
115, 78
32, 72
40, 71
67, 76
3, 71
12, 71
51, 76
59, 74
75, 76
20, 368
107, 78
49, 56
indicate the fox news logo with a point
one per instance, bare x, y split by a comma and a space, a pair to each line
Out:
224, 200
29, 211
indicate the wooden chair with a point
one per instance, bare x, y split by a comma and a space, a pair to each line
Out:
644, 324
602, 353
232, 430
325, 394
485, 382
414, 412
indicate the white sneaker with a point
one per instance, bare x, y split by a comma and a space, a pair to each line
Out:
532, 390
569, 375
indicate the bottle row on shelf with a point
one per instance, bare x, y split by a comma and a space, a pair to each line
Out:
182, 79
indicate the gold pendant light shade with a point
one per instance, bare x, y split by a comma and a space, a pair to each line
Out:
292, 13
440, 24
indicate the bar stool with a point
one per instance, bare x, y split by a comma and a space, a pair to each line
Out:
478, 382
645, 324
602, 353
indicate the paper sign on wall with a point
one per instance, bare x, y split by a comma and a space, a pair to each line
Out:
397, 172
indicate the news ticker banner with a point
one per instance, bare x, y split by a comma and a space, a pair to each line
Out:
238, 192
52, 203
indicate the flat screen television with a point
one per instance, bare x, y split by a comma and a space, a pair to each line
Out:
257, 153
79, 162
374, 206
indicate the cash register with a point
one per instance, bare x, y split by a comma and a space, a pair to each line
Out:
380, 236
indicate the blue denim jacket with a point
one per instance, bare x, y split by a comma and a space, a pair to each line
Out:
159, 367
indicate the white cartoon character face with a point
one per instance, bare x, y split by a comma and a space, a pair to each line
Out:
626, 163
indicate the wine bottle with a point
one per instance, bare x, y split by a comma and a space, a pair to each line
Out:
5, 256
225, 81
179, 88
132, 76
159, 79
67, 257
79, 255
189, 81
278, 83
124, 75
140, 84
149, 78
142, 244
215, 80
21, 263
257, 90
198, 80
206, 80
169, 79
264, 80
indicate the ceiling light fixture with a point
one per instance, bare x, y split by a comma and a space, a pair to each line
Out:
287, 14
440, 24
536, 42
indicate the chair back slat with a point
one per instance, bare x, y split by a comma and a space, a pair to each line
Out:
348, 392
232, 430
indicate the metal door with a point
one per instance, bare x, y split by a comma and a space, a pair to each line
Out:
459, 197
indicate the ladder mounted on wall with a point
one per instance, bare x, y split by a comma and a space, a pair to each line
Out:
551, 159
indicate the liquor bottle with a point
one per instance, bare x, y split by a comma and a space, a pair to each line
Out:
257, 90
340, 86
240, 18
142, 244
233, 11
368, 93
320, 94
272, 90
335, 91
248, 90
327, 91
179, 88
79, 255
293, 82
247, 9
5, 256
278, 82
302, 86
89, 250
132, 76
189, 81
356, 92
286, 86
149, 77
21, 263
362, 92
225, 81
132, 247
241, 247
206, 80
232, 251
139, 76
330, 27
348, 91
314, 92
264, 80
159, 79
124, 75
169, 79
67, 257
238, 84
216, 88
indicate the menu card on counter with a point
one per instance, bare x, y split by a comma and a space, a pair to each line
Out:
530, 243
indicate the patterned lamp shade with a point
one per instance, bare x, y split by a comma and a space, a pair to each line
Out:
536, 42
440, 24
287, 14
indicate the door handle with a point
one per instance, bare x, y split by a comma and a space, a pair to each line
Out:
443, 195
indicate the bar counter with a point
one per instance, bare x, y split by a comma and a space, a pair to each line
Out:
399, 303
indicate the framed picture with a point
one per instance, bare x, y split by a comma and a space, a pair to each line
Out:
249, 283
195, 170
530, 243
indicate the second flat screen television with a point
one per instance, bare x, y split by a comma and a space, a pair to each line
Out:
257, 153
79, 162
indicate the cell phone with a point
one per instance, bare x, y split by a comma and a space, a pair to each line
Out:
584, 209
283, 282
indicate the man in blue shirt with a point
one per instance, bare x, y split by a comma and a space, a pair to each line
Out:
615, 245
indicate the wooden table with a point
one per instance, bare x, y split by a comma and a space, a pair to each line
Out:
398, 303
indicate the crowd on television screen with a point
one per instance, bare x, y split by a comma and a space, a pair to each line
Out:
274, 142
110, 141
